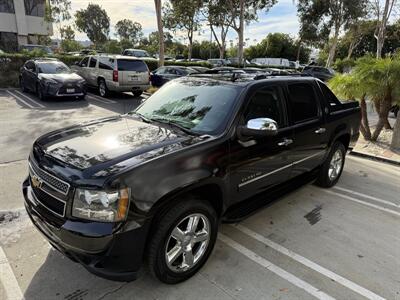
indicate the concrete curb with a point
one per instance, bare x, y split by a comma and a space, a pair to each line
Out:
376, 158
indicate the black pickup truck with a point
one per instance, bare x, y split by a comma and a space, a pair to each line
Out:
153, 185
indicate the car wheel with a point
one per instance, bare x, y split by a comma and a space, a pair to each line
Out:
332, 168
39, 92
182, 241
137, 93
396, 111
103, 90
22, 85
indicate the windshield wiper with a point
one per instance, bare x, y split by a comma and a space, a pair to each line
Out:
171, 123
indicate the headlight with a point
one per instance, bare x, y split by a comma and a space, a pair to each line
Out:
100, 205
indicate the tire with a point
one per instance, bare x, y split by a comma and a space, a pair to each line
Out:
39, 92
332, 168
103, 90
137, 93
162, 241
396, 111
22, 85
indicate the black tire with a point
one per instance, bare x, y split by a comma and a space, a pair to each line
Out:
22, 85
161, 239
324, 179
102, 88
39, 93
137, 93
396, 111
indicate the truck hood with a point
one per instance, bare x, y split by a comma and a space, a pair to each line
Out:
61, 78
103, 144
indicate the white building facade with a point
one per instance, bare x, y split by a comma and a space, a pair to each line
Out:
21, 22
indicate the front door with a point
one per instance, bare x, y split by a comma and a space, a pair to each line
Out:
310, 139
260, 163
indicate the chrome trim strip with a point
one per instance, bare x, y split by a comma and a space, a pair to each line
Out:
56, 178
278, 170
48, 208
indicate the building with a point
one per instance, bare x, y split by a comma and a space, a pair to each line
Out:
22, 22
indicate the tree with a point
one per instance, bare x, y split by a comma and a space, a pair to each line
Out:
382, 16
245, 11
112, 46
70, 46
67, 33
129, 30
218, 17
183, 15
57, 11
95, 22
158, 4
320, 18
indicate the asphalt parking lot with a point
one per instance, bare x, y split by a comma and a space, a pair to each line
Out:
341, 243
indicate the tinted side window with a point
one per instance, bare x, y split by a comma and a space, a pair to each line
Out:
93, 62
303, 103
266, 103
30, 66
330, 97
106, 63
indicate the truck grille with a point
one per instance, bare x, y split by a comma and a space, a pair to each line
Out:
52, 181
54, 205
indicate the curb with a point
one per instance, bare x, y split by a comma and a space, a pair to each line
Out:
376, 158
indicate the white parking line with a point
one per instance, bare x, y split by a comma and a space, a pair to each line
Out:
105, 100
275, 269
366, 196
19, 98
308, 263
8, 280
31, 99
396, 213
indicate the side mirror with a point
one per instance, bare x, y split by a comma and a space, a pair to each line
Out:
260, 127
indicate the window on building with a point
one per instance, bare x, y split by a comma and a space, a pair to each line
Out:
8, 41
35, 7
7, 6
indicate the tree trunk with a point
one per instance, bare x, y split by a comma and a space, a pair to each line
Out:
190, 48
351, 49
383, 117
298, 51
396, 134
332, 50
160, 33
381, 30
240, 32
221, 51
365, 130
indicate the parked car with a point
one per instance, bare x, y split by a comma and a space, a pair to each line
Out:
250, 70
142, 54
225, 70
199, 69
321, 73
217, 62
31, 47
153, 185
114, 73
164, 74
395, 110
51, 78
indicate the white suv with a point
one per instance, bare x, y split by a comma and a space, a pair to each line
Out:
114, 73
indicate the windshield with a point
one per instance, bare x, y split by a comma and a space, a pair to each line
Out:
53, 68
201, 106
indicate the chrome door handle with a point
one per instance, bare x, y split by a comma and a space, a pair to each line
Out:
285, 142
320, 130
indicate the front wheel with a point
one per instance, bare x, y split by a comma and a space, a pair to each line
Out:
182, 241
332, 168
39, 92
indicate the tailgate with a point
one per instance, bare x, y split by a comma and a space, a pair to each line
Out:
132, 72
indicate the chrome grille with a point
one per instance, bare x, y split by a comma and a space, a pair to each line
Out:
52, 181
53, 204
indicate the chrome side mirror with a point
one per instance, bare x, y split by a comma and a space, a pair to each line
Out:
260, 127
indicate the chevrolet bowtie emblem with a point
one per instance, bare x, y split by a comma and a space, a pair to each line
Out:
36, 182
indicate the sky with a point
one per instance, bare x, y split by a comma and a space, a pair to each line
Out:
281, 18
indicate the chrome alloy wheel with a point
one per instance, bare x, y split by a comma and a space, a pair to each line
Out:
102, 88
187, 242
335, 165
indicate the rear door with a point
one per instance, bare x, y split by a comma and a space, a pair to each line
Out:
132, 72
310, 138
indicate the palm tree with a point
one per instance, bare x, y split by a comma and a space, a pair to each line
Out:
158, 6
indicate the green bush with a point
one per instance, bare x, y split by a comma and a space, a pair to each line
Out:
344, 65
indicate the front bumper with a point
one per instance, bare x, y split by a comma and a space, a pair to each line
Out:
114, 254
62, 91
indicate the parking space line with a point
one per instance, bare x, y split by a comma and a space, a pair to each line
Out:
8, 280
396, 213
366, 196
308, 263
31, 99
273, 268
105, 100
19, 98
